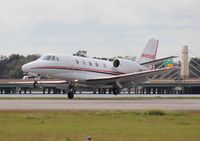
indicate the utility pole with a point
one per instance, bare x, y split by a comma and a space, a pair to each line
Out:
185, 63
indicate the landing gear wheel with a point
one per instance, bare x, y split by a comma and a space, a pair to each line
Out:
70, 95
116, 91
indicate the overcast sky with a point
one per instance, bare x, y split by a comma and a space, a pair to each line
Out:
102, 27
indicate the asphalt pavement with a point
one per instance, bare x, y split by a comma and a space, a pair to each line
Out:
115, 104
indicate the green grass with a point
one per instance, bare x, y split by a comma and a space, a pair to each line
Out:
156, 113
153, 125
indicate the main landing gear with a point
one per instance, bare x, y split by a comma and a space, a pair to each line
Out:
116, 90
71, 91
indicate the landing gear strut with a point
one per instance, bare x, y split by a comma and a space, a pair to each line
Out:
35, 84
37, 78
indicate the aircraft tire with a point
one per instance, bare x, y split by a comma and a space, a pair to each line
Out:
70, 95
116, 91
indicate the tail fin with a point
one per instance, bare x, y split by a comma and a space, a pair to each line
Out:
150, 51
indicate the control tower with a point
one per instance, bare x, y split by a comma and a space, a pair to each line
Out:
185, 63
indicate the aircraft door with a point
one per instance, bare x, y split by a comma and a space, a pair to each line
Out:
70, 67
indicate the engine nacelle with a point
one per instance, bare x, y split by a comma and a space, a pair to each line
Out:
126, 66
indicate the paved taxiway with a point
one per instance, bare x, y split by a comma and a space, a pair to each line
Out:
90, 95
142, 104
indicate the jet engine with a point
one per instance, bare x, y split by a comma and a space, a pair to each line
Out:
126, 66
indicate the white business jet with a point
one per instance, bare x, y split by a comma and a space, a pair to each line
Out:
94, 73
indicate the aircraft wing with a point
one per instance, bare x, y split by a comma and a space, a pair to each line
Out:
60, 84
136, 77
158, 61
39, 82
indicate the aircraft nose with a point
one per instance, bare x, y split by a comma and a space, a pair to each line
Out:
25, 68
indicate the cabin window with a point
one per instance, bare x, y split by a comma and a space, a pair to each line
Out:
57, 59
77, 62
83, 62
90, 63
97, 65
105, 66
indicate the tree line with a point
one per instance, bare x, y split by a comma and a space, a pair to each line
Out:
10, 66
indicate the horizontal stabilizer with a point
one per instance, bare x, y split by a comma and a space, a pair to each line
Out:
158, 61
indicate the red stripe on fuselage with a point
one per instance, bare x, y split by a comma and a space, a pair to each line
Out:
80, 69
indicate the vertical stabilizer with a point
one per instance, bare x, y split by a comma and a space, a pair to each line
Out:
150, 51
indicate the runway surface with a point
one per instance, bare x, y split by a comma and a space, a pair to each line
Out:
89, 95
147, 104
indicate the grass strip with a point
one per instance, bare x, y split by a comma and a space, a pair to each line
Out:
153, 125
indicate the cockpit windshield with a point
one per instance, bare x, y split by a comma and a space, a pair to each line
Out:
53, 58
46, 57
49, 58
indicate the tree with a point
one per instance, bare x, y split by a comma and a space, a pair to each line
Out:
10, 67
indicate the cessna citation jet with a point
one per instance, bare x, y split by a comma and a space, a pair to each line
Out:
94, 73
